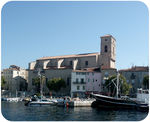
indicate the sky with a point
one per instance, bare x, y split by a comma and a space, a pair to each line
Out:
31, 30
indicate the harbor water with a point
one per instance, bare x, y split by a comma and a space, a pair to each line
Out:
18, 112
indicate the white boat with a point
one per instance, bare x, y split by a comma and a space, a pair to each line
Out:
41, 102
15, 99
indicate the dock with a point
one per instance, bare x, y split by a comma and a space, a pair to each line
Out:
81, 103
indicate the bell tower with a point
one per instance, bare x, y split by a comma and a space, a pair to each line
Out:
108, 52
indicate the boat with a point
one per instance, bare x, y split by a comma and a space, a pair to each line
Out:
112, 102
42, 101
103, 101
15, 99
12, 99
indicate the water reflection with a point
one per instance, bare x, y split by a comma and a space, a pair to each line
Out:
17, 111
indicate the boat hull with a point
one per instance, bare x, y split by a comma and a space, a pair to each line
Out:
109, 102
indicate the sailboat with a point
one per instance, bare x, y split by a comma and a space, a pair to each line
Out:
116, 102
42, 100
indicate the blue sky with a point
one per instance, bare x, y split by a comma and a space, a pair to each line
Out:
31, 30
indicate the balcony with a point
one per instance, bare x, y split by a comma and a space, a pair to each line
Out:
75, 82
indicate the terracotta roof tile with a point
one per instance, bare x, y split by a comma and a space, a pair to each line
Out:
69, 56
136, 69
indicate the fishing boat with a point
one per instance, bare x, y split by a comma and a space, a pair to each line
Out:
117, 102
112, 102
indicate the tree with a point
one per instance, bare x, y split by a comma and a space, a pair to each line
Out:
55, 84
123, 87
39, 83
3, 82
146, 82
36, 83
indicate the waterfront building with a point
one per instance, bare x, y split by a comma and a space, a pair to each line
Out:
15, 78
62, 66
135, 76
84, 82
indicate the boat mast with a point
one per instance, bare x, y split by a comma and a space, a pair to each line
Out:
39, 73
117, 84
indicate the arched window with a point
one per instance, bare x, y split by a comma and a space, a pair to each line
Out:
105, 49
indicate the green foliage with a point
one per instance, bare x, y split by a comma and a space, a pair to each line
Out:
55, 84
146, 82
3, 82
36, 83
124, 88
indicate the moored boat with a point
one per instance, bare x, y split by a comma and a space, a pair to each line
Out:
112, 102
41, 102
118, 102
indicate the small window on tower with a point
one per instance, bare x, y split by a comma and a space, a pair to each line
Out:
105, 49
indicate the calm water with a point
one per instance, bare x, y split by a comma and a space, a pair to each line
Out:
19, 112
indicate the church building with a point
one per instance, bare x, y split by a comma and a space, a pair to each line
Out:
63, 66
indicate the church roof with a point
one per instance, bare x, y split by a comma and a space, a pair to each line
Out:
70, 56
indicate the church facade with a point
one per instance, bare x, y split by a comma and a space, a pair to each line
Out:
63, 66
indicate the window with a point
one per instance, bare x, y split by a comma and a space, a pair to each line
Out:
133, 76
96, 80
93, 80
83, 73
78, 87
105, 39
77, 80
105, 48
71, 63
86, 63
82, 80
88, 80
83, 87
